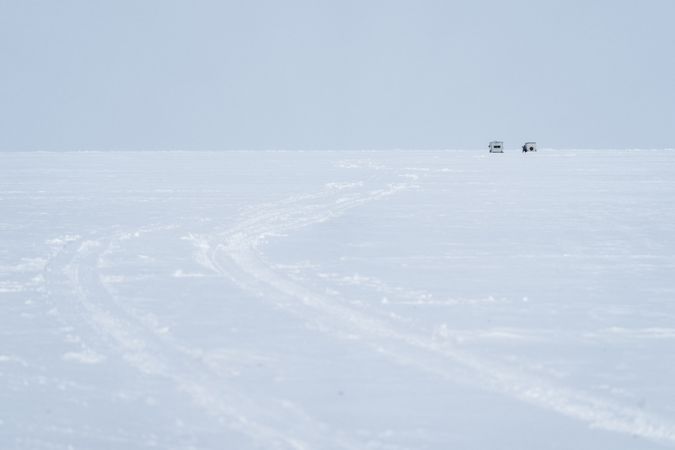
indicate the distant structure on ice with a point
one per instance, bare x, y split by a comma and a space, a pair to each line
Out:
496, 147
529, 147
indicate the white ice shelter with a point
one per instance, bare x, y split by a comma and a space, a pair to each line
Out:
496, 147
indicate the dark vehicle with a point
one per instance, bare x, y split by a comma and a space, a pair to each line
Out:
529, 147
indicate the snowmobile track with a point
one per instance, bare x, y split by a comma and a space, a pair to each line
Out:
238, 253
95, 313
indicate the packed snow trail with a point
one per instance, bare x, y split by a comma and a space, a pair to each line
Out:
274, 424
337, 300
238, 254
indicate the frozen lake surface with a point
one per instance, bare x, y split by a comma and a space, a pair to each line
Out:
337, 300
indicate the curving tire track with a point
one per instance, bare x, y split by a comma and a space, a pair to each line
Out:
266, 423
237, 253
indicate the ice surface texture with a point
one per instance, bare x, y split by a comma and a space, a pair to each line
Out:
337, 300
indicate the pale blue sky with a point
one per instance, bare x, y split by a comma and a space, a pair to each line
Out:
208, 75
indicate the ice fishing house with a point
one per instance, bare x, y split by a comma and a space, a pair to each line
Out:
496, 147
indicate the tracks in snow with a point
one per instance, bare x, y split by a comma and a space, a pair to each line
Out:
273, 424
237, 253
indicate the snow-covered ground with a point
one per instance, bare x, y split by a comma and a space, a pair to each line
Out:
337, 300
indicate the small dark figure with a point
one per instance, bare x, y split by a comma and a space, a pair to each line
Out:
524, 148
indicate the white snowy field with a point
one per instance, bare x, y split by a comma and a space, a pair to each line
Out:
337, 300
